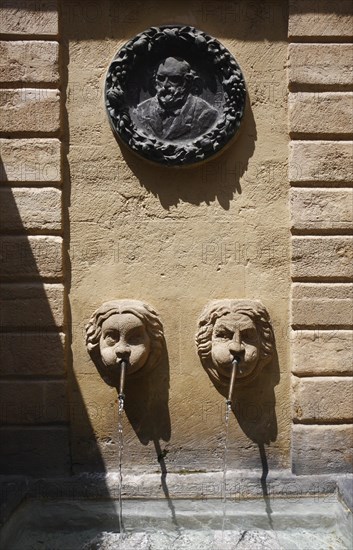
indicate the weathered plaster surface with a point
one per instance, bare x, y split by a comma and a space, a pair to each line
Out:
177, 239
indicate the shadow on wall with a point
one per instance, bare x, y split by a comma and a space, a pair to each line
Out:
146, 404
36, 360
172, 185
242, 20
35, 338
255, 405
86, 447
150, 418
36, 366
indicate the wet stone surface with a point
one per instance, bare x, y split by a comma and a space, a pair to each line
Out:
289, 524
256, 540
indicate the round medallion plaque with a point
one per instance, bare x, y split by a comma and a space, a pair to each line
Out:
175, 95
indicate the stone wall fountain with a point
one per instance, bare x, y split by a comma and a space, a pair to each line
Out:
235, 342
138, 163
124, 339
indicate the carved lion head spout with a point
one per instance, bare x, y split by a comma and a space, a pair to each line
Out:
234, 329
124, 330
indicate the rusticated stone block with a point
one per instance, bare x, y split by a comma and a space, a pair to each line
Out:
32, 160
322, 257
320, 64
32, 305
322, 209
33, 402
322, 352
39, 17
23, 208
323, 399
320, 18
29, 61
322, 449
321, 161
33, 256
29, 110
32, 354
325, 113
38, 451
319, 305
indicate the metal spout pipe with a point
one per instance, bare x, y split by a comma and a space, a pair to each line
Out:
235, 364
123, 364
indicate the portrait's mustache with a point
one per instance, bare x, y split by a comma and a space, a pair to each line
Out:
171, 97
165, 92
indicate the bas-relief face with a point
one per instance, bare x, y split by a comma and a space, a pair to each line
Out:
124, 336
235, 335
171, 83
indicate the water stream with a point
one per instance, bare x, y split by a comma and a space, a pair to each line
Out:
120, 458
235, 363
225, 464
121, 398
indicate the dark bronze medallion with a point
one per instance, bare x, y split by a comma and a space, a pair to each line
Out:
175, 95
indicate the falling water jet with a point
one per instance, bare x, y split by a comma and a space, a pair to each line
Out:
122, 363
235, 364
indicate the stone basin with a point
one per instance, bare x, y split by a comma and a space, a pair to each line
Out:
82, 513
285, 523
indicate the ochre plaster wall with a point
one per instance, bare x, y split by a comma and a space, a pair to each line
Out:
177, 239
